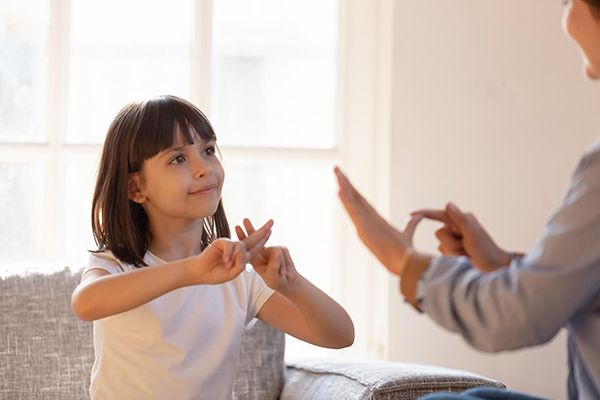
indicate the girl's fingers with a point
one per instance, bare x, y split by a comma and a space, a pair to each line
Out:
255, 237
239, 255
275, 258
228, 252
240, 232
289, 263
239, 266
249, 227
258, 246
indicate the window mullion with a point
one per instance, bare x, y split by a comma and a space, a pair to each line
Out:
58, 61
202, 54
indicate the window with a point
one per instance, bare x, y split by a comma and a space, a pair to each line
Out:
274, 78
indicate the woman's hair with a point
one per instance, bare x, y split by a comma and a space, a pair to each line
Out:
140, 131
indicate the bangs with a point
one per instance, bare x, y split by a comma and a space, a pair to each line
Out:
159, 119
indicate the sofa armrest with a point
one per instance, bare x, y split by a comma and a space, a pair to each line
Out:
326, 379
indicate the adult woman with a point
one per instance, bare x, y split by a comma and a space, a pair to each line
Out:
501, 301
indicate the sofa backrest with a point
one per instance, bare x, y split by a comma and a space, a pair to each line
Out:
47, 353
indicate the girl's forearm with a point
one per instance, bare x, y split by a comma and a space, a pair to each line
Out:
328, 321
113, 294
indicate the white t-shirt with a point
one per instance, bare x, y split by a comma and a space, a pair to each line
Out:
182, 345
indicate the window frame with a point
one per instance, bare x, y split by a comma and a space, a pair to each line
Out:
363, 134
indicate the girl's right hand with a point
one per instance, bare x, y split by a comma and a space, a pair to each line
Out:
225, 259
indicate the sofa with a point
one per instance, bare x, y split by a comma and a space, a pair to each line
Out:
47, 353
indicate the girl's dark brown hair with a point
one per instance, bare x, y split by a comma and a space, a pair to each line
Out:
140, 131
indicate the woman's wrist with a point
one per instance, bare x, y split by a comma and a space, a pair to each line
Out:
416, 264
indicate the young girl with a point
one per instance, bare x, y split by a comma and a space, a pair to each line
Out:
167, 290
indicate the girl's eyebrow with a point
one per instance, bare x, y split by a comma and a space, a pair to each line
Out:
175, 149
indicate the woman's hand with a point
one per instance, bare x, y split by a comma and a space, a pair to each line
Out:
273, 264
391, 246
462, 234
225, 259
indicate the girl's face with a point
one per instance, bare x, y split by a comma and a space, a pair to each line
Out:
182, 182
584, 27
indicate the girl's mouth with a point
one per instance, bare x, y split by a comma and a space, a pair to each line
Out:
204, 190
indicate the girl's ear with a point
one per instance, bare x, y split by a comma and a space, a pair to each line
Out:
134, 191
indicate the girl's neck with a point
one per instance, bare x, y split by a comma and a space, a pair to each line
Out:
173, 241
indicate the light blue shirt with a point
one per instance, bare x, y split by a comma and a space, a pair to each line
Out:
556, 285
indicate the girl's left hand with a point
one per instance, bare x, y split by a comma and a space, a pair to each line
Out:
273, 264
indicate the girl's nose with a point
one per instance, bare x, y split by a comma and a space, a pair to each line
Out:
201, 168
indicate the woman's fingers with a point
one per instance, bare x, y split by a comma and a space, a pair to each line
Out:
433, 214
362, 214
411, 226
440, 216
449, 243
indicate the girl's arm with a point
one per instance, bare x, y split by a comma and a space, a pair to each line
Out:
101, 294
307, 313
298, 307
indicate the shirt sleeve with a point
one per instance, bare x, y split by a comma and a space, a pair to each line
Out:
258, 294
104, 261
526, 303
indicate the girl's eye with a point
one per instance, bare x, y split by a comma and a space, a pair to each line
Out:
210, 150
178, 159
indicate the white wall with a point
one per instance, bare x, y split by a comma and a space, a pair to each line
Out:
490, 110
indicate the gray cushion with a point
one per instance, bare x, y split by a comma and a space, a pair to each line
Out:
324, 379
259, 374
45, 351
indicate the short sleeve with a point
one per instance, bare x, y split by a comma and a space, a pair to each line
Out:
104, 261
258, 294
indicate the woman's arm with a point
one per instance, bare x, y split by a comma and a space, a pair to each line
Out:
523, 305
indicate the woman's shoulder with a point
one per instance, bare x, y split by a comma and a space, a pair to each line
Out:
590, 158
594, 148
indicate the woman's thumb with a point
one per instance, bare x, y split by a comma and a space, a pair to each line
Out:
411, 225
456, 216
